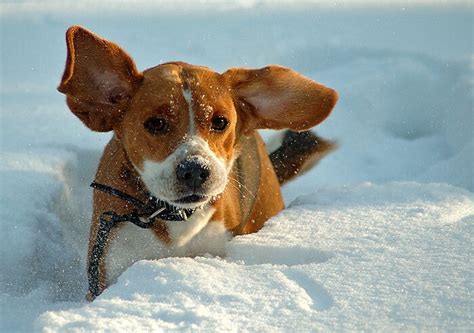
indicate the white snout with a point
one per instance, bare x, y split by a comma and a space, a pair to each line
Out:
161, 179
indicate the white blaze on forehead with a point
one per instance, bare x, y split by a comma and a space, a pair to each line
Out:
188, 96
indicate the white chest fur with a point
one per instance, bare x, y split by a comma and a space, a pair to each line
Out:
196, 236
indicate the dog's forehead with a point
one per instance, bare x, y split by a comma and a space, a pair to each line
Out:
178, 74
201, 85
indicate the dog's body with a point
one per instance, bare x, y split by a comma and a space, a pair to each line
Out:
206, 231
187, 135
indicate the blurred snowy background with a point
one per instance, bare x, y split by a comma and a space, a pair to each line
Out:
377, 237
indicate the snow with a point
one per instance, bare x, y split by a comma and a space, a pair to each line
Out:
343, 259
377, 237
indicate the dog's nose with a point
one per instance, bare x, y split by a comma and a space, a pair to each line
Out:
192, 173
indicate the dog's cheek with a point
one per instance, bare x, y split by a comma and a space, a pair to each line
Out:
221, 170
137, 148
225, 150
154, 176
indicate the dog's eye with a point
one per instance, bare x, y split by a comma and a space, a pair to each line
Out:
219, 123
155, 125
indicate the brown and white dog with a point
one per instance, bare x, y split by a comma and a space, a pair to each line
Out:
187, 135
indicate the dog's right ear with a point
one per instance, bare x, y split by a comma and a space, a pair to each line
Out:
99, 79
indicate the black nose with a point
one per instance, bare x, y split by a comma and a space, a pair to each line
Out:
192, 173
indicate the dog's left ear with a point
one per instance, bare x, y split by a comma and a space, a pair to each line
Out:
99, 79
276, 97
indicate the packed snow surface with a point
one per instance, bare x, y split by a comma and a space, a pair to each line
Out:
377, 237
382, 257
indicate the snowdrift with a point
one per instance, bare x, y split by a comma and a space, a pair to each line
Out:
377, 237
384, 257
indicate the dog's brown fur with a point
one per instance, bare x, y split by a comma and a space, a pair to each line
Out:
107, 92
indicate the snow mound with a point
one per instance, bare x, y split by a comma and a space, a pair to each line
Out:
384, 257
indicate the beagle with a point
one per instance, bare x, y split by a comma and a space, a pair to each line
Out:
186, 136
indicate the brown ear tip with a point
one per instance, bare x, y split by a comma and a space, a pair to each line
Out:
333, 97
63, 87
71, 32
73, 29
327, 104
329, 98
76, 31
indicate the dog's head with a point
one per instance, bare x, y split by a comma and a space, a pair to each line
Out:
179, 124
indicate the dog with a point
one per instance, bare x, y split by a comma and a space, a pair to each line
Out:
186, 136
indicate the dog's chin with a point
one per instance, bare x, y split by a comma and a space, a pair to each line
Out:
191, 201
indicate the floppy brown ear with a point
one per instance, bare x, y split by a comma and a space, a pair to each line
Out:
277, 97
99, 79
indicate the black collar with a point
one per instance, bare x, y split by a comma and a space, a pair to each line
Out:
150, 210
144, 216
